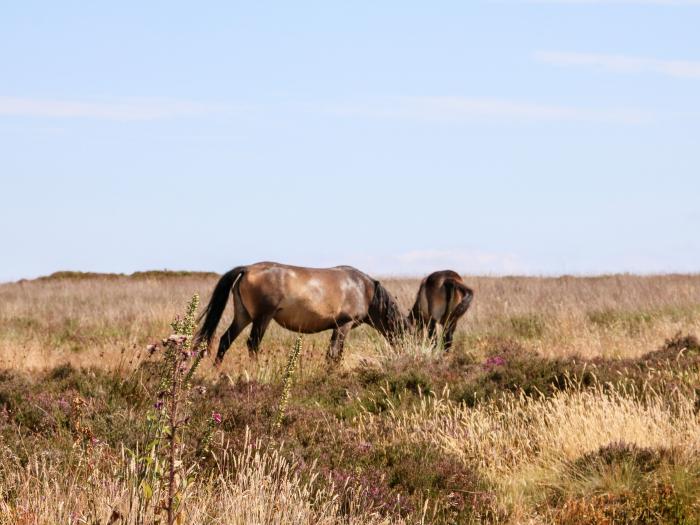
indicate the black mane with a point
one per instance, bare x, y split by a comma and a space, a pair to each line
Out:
384, 313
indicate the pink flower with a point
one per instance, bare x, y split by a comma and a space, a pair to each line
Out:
175, 338
216, 417
494, 361
364, 446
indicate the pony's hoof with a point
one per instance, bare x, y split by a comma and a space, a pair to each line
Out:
332, 362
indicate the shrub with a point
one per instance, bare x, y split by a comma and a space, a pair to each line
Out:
642, 459
630, 321
529, 326
624, 483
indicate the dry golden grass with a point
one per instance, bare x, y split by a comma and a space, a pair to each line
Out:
527, 450
260, 487
522, 443
97, 321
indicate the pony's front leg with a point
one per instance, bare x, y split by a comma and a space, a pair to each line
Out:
335, 350
431, 328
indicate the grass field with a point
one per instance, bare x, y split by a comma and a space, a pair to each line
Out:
565, 400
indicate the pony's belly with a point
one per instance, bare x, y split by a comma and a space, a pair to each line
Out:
304, 315
305, 321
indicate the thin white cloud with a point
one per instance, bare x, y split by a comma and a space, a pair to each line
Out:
422, 262
622, 63
608, 2
119, 109
466, 109
464, 261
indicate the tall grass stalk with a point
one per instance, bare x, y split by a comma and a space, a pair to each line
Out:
287, 381
160, 465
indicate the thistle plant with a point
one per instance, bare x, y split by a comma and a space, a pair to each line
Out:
161, 472
287, 381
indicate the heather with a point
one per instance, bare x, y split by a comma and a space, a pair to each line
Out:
564, 400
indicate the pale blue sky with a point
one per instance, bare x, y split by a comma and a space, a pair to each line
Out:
551, 136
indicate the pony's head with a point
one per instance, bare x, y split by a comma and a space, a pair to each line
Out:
385, 315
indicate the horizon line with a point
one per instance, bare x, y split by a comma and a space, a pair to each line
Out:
172, 273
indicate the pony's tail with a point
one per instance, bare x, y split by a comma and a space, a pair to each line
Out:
215, 309
456, 309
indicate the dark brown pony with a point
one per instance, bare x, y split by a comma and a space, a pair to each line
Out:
306, 300
442, 299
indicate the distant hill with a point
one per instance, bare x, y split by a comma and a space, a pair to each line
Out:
148, 274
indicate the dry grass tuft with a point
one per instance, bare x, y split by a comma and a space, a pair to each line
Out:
258, 486
564, 400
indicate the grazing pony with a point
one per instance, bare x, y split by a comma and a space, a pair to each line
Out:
306, 300
442, 299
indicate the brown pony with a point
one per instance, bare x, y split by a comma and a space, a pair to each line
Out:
442, 299
306, 300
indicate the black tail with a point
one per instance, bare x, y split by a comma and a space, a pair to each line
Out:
454, 312
215, 309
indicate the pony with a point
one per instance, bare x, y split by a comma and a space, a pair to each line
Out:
305, 300
442, 298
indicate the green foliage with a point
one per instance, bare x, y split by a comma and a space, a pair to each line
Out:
640, 459
412, 380
630, 321
162, 474
530, 326
624, 483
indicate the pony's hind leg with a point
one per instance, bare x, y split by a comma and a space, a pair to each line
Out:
256, 334
233, 331
448, 336
241, 319
451, 323
335, 350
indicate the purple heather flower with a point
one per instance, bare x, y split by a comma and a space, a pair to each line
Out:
496, 360
176, 338
364, 446
158, 405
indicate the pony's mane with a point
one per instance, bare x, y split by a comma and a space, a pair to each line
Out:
384, 313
